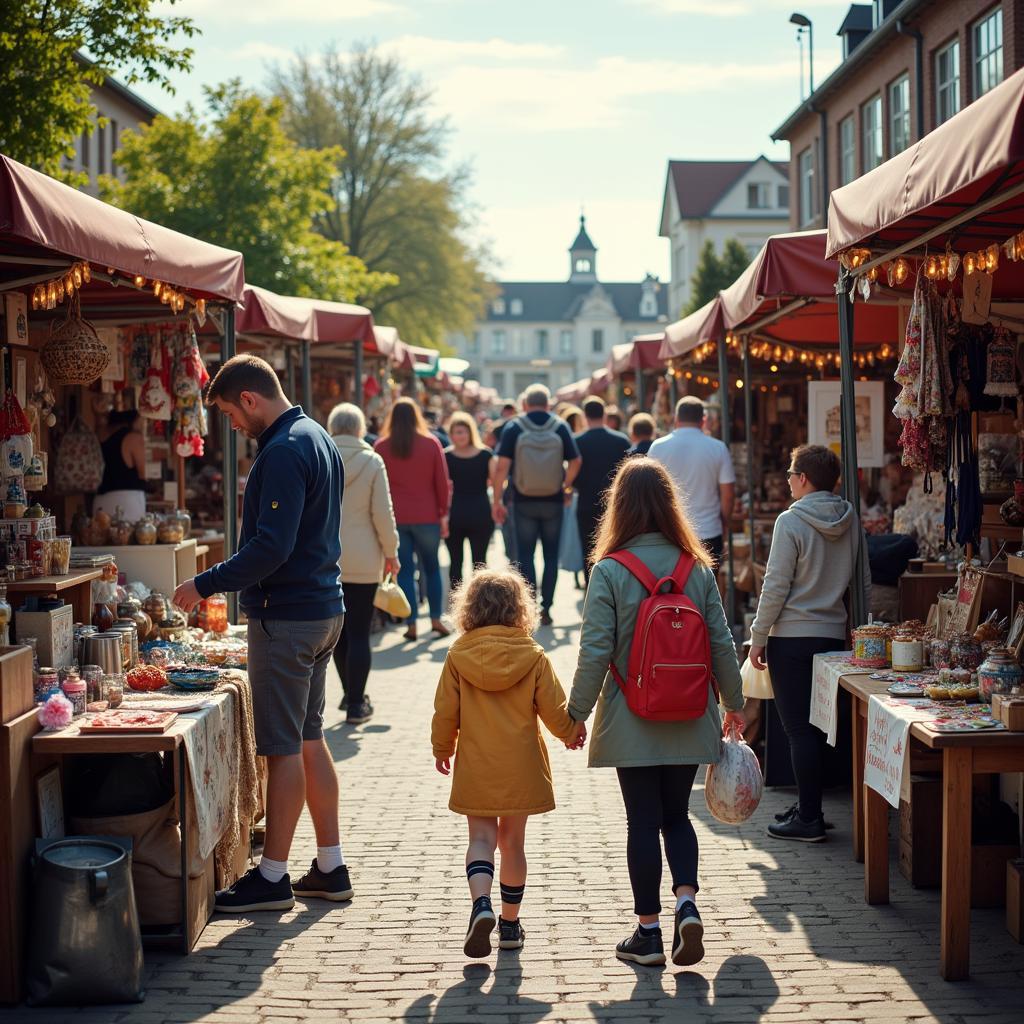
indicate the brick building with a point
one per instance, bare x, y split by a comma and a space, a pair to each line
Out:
908, 66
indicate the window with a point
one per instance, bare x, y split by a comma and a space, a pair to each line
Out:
473, 342
498, 307
101, 149
807, 190
947, 82
899, 114
515, 307
872, 145
565, 345
783, 200
758, 197
518, 346
85, 147
583, 266
648, 305
542, 343
498, 341
988, 52
597, 340
498, 381
847, 150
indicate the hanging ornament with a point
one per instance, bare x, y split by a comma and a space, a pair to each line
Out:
1001, 363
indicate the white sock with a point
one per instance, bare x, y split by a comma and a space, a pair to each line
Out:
685, 899
328, 858
273, 870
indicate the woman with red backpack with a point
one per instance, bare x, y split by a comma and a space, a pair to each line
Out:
655, 648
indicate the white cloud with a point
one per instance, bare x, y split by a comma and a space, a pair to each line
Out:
734, 8
259, 51
424, 50
264, 12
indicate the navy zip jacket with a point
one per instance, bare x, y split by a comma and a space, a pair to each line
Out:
290, 548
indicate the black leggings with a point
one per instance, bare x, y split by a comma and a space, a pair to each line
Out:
657, 800
479, 536
791, 666
352, 652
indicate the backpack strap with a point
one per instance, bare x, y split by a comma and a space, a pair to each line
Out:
681, 573
630, 562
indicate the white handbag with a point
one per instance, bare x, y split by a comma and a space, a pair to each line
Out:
756, 682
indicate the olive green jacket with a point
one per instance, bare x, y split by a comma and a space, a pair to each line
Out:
618, 738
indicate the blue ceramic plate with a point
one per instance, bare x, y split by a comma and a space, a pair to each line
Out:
193, 680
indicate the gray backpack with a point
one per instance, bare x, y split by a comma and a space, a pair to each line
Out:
537, 467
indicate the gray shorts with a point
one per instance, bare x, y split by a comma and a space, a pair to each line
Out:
288, 674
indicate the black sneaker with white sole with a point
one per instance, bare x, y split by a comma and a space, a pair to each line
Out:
481, 924
688, 940
359, 713
798, 830
790, 812
510, 934
326, 885
253, 892
644, 946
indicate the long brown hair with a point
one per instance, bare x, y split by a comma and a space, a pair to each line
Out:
494, 598
643, 499
403, 423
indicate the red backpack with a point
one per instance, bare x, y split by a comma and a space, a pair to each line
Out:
669, 671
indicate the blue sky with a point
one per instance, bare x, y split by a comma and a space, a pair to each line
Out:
556, 104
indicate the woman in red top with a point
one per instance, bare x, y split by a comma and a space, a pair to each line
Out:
421, 495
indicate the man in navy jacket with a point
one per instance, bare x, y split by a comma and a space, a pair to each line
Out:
286, 573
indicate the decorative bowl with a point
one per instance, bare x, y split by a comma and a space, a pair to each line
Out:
193, 680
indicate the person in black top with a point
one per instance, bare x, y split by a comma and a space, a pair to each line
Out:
641, 433
602, 451
470, 468
508, 532
124, 460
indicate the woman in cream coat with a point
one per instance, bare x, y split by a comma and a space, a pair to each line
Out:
369, 549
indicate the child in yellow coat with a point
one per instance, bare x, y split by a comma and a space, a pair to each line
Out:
496, 682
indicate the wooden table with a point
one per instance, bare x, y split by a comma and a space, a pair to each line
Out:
75, 586
959, 756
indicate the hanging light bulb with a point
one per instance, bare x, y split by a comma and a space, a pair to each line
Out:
873, 274
901, 270
76, 274
51, 295
69, 284
86, 273
60, 289
931, 268
952, 265
35, 297
778, 352
201, 308
970, 263
820, 362
992, 258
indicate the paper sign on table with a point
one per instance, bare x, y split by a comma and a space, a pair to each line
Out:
828, 668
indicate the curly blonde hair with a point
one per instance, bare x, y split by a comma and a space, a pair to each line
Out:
493, 598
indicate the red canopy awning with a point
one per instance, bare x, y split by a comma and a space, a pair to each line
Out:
621, 358
971, 167
574, 392
41, 217
268, 314
385, 339
599, 381
685, 335
642, 353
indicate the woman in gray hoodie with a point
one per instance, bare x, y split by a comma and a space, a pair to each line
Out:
801, 613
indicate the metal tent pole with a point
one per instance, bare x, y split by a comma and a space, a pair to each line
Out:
639, 389
723, 391
848, 421
230, 475
307, 380
748, 416
357, 375
289, 371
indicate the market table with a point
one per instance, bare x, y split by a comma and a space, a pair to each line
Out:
76, 586
959, 756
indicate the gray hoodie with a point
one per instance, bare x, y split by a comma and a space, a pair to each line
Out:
810, 565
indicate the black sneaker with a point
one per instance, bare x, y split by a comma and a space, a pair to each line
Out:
327, 885
510, 934
253, 892
361, 713
481, 924
642, 947
546, 620
799, 830
688, 940
789, 812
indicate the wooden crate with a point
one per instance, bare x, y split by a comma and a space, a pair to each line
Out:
921, 832
16, 695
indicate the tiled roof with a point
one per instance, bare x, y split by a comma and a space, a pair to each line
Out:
700, 184
547, 301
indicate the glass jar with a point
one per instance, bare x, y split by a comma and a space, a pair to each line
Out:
74, 689
938, 653
999, 673
185, 518
102, 616
869, 647
112, 688
965, 652
213, 614
169, 531
145, 531
93, 676
156, 606
121, 531
5, 619
47, 679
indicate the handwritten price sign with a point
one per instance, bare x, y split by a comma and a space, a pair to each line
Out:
885, 756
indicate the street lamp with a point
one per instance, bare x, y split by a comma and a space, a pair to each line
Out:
803, 22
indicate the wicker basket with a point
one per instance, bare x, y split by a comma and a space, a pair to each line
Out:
74, 354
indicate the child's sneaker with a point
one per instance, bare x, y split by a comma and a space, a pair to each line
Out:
510, 934
688, 941
642, 947
481, 924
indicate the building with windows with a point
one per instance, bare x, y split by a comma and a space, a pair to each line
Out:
122, 110
714, 200
556, 332
908, 65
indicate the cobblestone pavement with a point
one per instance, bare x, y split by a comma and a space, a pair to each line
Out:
789, 937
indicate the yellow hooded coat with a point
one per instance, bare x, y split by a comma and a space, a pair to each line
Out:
495, 683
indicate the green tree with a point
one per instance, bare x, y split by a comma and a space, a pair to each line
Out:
236, 179
45, 81
395, 204
715, 273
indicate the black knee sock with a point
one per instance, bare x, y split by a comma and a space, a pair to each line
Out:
512, 893
479, 867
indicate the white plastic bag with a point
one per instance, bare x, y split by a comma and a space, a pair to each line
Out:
756, 682
733, 787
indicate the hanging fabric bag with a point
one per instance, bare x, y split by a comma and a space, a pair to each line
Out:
79, 460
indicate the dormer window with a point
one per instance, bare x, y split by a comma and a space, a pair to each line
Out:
498, 307
648, 304
515, 307
758, 196
582, 266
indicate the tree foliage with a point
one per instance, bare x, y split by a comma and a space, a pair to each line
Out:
394, 204
236, 179
714, 272
45, 82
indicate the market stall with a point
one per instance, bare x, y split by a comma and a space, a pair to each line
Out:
101, 306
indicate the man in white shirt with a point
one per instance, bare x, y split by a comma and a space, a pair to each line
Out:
701, 468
